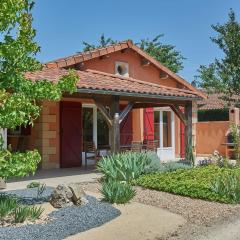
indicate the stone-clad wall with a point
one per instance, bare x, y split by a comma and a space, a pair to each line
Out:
47, 142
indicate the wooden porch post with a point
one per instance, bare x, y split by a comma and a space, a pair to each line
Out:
114, 120
190, 127
115, 128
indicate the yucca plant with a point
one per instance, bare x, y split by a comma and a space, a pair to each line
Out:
7, 205
35, 212
21, 214
117, 192
227, 185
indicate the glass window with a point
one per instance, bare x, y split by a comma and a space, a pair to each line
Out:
167, 130
102, 131
87, 124
157, 126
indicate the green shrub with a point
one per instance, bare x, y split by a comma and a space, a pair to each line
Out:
124, 166
117, 192
18, 164
156, 166
227, 185
35, 212
33, 184
7, 205
22, 213
195, 182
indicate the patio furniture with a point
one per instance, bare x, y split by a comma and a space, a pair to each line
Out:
136, 146
91, 152
151, 145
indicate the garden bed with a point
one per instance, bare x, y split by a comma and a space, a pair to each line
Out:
62, 222
194, 183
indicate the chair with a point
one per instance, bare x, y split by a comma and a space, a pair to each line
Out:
91, 152
152, 145
136, 146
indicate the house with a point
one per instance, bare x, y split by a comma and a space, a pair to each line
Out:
123, 95
215, 117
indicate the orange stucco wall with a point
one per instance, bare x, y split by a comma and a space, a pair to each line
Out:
146, 73
210, 137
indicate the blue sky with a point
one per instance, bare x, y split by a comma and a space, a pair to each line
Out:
62, 25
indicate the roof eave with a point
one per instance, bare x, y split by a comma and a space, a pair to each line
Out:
141, 95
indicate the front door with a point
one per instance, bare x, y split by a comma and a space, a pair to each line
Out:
71, 134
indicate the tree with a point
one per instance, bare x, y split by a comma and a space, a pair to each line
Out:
103, 42
19, 96
163, 53
166, 54
223, 75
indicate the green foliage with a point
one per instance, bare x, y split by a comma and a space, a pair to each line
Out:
156, 166
33, 184
213, 115
163, 53
117, 192
223, 75
103, 42
19, 97
227, 185
194, 183
124, 166
7, 205
18, 164
119, 171
21, 214
166, 54
11, 210
35, 212
236, 141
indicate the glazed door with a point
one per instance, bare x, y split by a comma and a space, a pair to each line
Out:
71, 134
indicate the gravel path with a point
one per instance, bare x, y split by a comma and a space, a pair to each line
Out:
64, 222
202, 216
30, 195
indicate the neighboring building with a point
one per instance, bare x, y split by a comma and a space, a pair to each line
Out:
122, 79
215, 117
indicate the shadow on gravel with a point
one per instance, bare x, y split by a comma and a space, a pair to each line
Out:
64, 222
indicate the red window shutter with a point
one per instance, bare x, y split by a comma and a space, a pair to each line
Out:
148, 124
126, 132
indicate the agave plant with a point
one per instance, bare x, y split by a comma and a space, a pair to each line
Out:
123, 167
117, 192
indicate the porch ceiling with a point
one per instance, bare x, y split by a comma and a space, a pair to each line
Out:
94, 82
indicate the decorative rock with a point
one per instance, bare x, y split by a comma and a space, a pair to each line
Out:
2, 183
79, 196
61, 197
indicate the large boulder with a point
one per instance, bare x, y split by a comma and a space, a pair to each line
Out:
68, 195
79, 196
61, 197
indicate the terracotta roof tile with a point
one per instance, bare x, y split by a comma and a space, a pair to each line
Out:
214, 101
94, 80
84, 56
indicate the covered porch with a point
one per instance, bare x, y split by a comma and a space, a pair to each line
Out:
60, 132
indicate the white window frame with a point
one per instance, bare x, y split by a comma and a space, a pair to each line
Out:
162, 149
